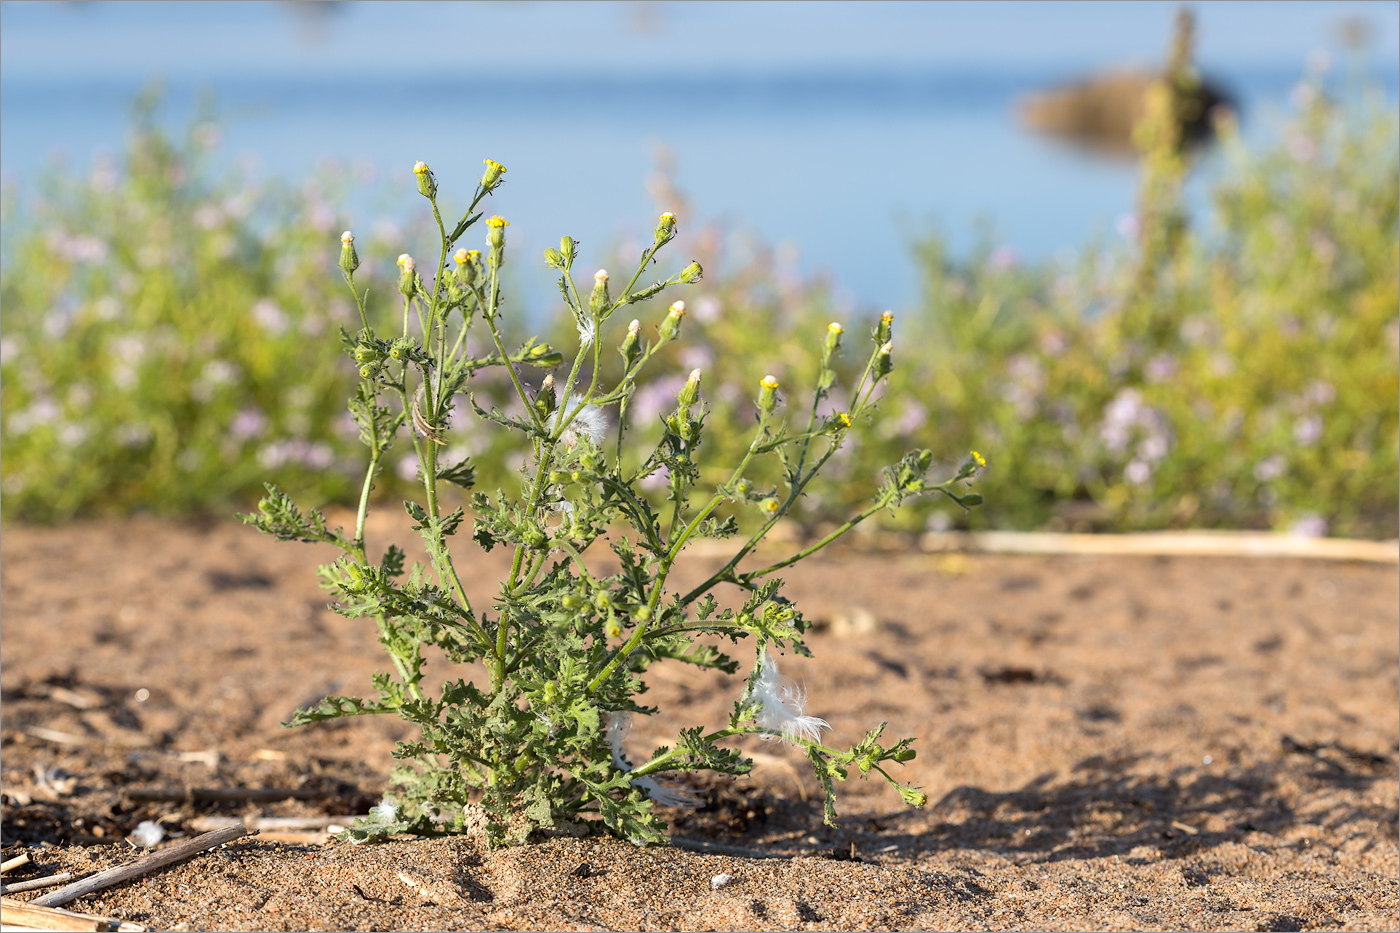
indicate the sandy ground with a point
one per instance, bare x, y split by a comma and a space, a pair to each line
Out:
1108, 743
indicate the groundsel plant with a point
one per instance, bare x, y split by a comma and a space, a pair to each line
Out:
536, 742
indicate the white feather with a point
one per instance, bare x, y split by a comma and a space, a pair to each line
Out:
781, 707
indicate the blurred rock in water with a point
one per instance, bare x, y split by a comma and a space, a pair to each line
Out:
1100, 112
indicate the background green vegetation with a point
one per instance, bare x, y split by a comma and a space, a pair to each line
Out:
170, 342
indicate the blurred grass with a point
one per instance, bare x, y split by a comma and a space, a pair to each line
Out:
169, 342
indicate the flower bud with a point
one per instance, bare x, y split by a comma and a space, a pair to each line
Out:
613, 629
492, 178
690, 392
570, 601
915, 798
407, 275
468, 265
349, 261
642, 613
599, 300
769, 505
884, 328
569, 248
427, 184
833, 340
496, 238
554, 258
368, 370
971, 465
631, 348
547, 399
692, 273
768, 394
672, 325
665, 230
602, 601
883, 362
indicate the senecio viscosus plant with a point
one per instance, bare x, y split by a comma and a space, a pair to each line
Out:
538, 745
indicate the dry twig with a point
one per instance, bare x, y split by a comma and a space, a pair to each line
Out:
15, 862
175, 853
34, 884
31, 916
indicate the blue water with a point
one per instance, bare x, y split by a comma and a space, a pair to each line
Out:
836, 130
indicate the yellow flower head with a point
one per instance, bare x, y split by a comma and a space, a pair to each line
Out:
835, 328
404, 259
844, 418
494, 166
769, 382
668, 217
887, 317
347, 238
462, 256
978, 457
420, 168
678, 308
498, 221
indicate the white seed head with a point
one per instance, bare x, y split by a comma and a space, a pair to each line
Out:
600, 276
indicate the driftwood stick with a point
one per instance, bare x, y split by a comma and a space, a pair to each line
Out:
217, 794
15, 862
27, 915
35, 884
176, 853
1165, 543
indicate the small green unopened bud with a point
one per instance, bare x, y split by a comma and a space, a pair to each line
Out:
768, 394
427, 184
408, 270
972, 498
641, 613
631, 348
743, 487
692, 273
602, 601
769, 505
569, 248
551, 691
671, 327
552, 257
492, 178
571, 602
613, 629
349, 261
547, 399
599, 300
665, 229
368, 370
883, 361
905, 754
690, 392
884, 328
366, 354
